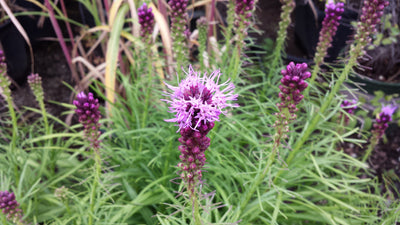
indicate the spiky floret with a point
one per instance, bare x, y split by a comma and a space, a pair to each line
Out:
199, 99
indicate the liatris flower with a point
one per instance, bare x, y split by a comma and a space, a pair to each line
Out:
197, 103
348, 107
243, 11
9, 206
382, 120
333, 14
87, 108
379, 127
35, 82
4, 80
372, 11
293, 83
179, 29
146, 21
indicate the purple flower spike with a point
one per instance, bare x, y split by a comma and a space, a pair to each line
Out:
243, 10
372, 12
330, 23
293, 83
35, 82
197, 103
383, 119
146, 21
9, 206
87, 108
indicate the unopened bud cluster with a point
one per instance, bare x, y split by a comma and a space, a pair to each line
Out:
193, 145
372, 12
146, 21
4, 80
87, 108
382, 120
179, 28
330, 24
244, 11
35, 82
9, 206
292, 84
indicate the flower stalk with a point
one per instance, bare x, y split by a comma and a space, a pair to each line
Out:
243, 12
381, 124
35, 83
6, 92
87, 108
333, 12
197, 103
179, 31
292, 84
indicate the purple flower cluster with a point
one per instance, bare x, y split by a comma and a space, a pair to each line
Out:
35, 82
146, 21
372, 11
197, 103
87, 108
193, 145
382, 120
179, 16
293, 83
9, 206
330, 23
244, 10
348, 106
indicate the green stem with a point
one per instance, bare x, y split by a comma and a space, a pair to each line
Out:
14, 124
374, 141
44, 114
314, 73
147, 100
95, 184
196, 211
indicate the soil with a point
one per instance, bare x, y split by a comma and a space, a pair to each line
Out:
384, 159
51, 65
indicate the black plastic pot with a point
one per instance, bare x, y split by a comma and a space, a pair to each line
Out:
14, 46
15, 51
371, 85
